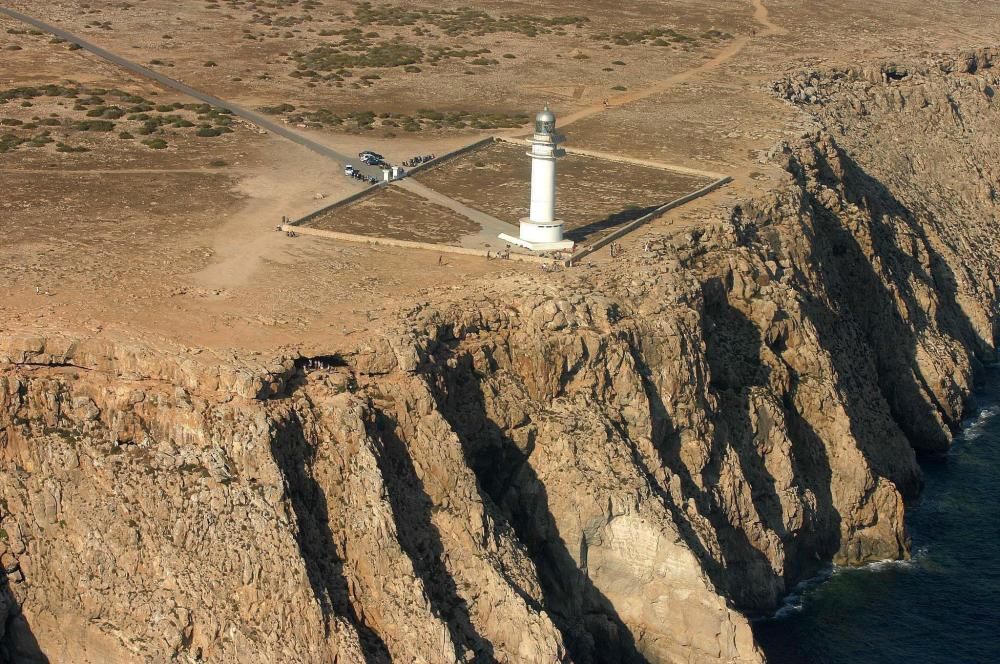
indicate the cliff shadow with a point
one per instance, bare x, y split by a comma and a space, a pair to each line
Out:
421, 540
734, 348
609, 222
294, 453
591, 628
18, 644
890, 320
820, 538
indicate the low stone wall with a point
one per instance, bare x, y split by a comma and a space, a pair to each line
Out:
298, 224
645, 219
407, 244
353, 198
451, 155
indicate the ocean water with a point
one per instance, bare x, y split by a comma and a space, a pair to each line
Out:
943, 606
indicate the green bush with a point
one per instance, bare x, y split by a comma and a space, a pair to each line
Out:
277, 110
125, 136
62, 147
715, 34
383, 55
155, 143
657, 36
9, 142
94, 125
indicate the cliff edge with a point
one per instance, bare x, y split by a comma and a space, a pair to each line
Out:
610, 464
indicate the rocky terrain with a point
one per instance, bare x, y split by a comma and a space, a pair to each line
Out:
616, 464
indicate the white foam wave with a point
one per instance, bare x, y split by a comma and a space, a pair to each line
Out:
916, 557
973, 428
793, 602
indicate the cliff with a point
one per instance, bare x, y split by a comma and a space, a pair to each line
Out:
610, 464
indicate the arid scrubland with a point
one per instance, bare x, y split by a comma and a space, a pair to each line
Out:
218, 442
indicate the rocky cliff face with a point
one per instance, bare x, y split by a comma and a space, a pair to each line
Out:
608, 465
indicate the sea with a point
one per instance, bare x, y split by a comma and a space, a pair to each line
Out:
940, 607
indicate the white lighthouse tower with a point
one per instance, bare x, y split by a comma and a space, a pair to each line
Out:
540, 230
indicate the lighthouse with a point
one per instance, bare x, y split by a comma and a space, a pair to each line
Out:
540, 230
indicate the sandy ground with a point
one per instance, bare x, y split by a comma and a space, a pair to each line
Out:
572, 65
400, 215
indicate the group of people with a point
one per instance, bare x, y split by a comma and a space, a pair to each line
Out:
358, 175
416, 161
503, 254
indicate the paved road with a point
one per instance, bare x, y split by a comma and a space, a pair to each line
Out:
256, 118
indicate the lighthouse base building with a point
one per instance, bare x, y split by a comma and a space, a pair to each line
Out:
540, 230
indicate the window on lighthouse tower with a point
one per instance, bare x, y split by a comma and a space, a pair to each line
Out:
545, 122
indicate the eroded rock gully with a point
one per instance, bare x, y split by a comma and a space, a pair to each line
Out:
611, 464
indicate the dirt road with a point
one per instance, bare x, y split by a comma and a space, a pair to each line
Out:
760, 15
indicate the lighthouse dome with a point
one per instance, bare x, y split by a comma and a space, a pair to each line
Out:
545, 122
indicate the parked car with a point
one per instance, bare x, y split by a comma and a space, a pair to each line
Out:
371, 158
349, 170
